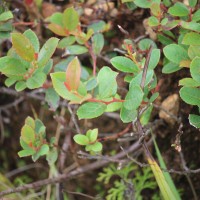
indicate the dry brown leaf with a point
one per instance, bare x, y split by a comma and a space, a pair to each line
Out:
171, 105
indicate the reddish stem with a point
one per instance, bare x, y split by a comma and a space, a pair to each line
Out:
115, 136
24, 24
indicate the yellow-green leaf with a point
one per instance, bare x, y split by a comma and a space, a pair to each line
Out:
162, 183
27, 134
23, 46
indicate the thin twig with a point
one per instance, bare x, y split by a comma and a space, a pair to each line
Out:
24, 168
187, 176
72, 174
79, 193
74, 119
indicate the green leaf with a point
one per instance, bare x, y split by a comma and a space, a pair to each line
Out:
52, 98
57, 29
190, 95
193, 26
24, 153
67, 41
23, 46
91, 110
170, 68
27, 134
33, 39
58, 80
75, 50
145, 44
39, 126
127, 115
145, 117
97, 26
96, 147
91, 83
36, 80
70, 19
145, 3
114, 106
30, 122
179, 10
47, 68
73, 75
10, 81
44, 149
24, 145
137, 80
189, 82
195, 69
196, 16
52, 156
12, 66
194, 120
153, 97
5, 29
56, 18
154, 59
191, 38
192, 3
6, 16
175, 53
107, 83
35, 156
92, 135
193, 51
81, 139
47, 51
21, 85
97, 43
62, 65
124, 64
153, 21
133, 98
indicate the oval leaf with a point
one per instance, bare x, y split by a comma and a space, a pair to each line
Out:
81, 139
47, 51
70, 19
73, 75
190, 95
124, 64
91, 110
23, 46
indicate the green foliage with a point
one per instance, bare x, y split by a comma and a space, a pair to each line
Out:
24, 65
33, 141
126, 183
5, 23
89, 141
27, 66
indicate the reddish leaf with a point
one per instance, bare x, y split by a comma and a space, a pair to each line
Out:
73, 74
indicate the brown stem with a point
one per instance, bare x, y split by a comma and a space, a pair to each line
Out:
72, 174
